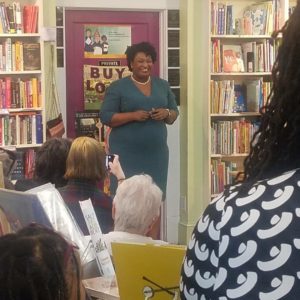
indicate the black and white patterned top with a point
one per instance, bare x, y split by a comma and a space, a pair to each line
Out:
247, 244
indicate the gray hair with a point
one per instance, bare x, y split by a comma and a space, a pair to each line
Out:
137, 203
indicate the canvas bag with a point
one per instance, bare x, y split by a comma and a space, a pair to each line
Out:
55, 125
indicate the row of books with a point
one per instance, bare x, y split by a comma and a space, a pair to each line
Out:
20, 93
256, 19
19, 56
21, 128
25, 164
15, 19
222, 174
227, 96
257, 56
232, 137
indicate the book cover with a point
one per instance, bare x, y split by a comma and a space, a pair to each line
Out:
11, 18
232, 58
27, 16
34, 23
31, 56
239, 99
147, 271
86, 123
19, 209
254, 94
259, 15
248, 56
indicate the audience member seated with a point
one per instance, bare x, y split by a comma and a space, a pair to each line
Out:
50, 165
85, 168
246, 244
38, 263
8, 159
136, 207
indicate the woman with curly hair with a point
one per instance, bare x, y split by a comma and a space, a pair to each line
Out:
37, 263
50, 165
246, 244
137, 108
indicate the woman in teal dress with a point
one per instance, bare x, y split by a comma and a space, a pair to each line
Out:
137, 108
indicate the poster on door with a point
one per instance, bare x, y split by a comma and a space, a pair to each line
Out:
106, 41
97, 79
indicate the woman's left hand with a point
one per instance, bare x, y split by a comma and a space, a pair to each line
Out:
159, 114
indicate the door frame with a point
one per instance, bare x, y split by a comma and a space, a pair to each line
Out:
173, 193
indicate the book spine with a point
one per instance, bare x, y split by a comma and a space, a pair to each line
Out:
39, 129
33, 129
8, 54
6, 130
34, 84
8, 92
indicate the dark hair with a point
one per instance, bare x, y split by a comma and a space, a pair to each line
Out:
278, 139
50, 163
34, 263
144, 47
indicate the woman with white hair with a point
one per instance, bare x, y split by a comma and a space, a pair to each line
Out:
136, 208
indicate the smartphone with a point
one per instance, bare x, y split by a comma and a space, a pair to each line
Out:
109, 158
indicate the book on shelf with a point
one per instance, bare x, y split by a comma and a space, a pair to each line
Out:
222, 173
255, 19
232, 137
31, 56
254, 94
228, 97
240, 104
255, 56
248, 50
30, 18
232, 58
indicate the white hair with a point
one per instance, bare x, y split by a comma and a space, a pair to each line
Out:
137, 204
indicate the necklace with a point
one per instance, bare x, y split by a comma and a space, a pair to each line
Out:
138, 82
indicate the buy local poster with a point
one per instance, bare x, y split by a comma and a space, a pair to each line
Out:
96, 80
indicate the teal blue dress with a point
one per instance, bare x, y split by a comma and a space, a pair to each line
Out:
142, 146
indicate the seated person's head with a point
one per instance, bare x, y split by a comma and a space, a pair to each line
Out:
50, 162
86, 160
38, 263
136, 205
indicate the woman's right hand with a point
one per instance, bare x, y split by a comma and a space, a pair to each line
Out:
141, 115
116, 168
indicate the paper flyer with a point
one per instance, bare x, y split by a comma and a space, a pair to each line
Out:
101, 253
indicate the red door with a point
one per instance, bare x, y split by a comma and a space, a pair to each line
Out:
144, 27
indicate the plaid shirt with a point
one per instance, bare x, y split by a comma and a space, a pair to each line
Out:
81, 189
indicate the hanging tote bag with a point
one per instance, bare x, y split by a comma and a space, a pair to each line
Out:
55, 125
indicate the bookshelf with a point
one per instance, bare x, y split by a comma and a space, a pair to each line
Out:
242, 53
22, 111
23, 78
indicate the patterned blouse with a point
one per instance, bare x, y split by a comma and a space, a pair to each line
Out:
246, 245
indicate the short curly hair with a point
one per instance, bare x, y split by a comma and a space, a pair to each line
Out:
50, 162
144, 47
